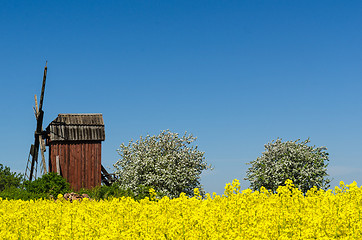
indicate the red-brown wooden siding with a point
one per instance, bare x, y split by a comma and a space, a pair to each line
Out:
80, 162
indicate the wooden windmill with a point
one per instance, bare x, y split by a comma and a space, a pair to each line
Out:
74, 142
39, 137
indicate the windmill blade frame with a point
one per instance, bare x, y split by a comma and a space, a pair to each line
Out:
38, 135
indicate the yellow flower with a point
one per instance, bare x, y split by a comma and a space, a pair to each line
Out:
152, 193
197, 193
237, 214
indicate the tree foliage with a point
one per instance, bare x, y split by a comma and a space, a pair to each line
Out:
8, 178
166, 162
295, 160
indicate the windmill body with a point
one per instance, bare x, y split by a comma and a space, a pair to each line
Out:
75, 148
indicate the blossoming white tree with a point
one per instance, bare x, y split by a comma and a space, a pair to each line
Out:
166, 162
305, 165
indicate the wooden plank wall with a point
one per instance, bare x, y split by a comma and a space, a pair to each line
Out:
80, 163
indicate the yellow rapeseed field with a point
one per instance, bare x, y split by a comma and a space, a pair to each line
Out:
234, 215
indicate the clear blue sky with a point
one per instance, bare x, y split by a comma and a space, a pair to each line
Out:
236, 74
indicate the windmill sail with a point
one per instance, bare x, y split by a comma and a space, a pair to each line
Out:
31, 171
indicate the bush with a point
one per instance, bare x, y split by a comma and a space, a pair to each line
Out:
305, 165
49, 184
13, 193
165, 162
9, 179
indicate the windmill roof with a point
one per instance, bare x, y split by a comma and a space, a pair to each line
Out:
77, 127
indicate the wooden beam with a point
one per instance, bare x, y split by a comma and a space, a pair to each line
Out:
42, 150
43, 87
57, 163
39, 123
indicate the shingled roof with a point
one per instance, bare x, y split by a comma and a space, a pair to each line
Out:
77, 127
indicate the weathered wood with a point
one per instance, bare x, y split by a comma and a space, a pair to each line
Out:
80, 162
42, 151
41, 140
38, 131
57, 162
77, 138
36, 109
43, 87
77, 127
107, 178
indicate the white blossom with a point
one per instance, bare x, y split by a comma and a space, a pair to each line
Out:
305, 165
166, 162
